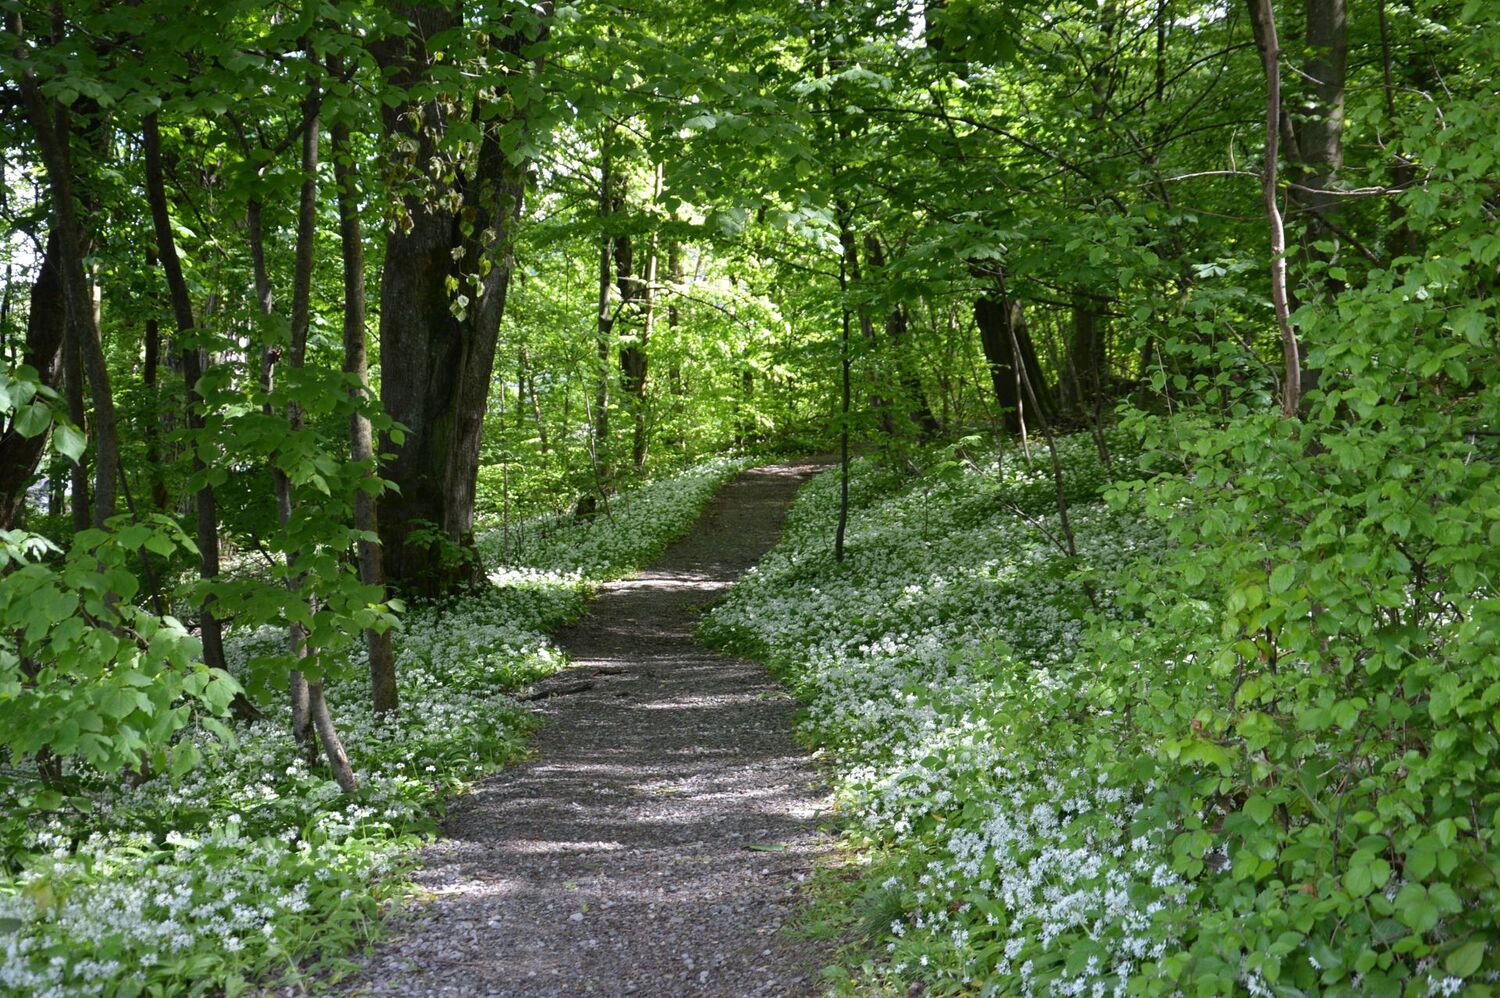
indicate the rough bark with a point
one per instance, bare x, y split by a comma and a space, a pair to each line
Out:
382, 657
437, 349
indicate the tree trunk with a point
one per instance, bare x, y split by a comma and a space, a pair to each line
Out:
1319, 121
1313, 132
333, 746
46, 328
150, 371
207, 515
1263, 17
917, 411
1084, 377
1002, 322
638, 358
847, 245
634, 305
437, 346
78, 474
386, 699
676, 274
603, 332
529, 379
303, 731
50, 122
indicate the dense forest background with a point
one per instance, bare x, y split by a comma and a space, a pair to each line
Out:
323, 320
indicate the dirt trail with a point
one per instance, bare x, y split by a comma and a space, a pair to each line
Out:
656, 842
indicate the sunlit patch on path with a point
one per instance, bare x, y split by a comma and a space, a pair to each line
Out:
655, 844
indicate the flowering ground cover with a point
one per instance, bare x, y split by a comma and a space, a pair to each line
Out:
938, 667
1084, 776
251, 865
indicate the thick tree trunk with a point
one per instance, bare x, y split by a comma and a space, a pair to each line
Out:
46, 328
383, 691
437, 345
1002, 322
1319, 121
207, 516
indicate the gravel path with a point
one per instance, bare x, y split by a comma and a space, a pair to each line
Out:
656, 842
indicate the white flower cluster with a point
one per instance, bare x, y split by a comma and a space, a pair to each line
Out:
252, 860
940, 664
626, 532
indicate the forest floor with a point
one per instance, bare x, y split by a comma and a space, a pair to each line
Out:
656, 841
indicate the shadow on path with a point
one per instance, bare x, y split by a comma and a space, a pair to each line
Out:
655, 843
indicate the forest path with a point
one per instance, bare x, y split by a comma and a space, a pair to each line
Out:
655, 843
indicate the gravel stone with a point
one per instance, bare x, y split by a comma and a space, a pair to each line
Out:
619, 859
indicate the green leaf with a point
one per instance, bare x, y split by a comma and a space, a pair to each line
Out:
1259, 809
1465, 960
69, 441
33, 419
1282, 578
1415, 909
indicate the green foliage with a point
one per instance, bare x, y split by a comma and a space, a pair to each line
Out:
250, 866
89, 675
309, 580
1244, 740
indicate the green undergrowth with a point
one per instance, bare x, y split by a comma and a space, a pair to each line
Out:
252, 867
1196, 758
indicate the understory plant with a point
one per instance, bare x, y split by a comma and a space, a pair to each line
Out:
243, 864
1242, 743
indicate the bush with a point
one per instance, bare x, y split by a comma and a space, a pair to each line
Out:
1244, 743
